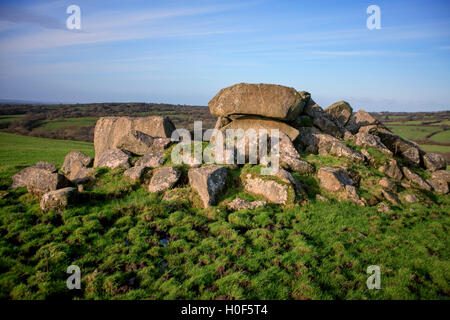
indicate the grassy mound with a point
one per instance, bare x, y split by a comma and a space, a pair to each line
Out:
130, 244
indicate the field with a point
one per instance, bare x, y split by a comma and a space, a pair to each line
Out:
430, 130
130, 244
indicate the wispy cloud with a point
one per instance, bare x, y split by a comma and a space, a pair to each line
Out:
24, 15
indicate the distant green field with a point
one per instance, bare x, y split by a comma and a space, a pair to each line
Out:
435, 148
68, 122
412, 133
17, 150
10, 118
443, 137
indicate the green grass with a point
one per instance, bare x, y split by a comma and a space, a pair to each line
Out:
17, 150
412, 133
129, 244
68, 122
435, 148
10, 118
443, 137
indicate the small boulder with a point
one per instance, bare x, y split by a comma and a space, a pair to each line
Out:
416, 179
392, 170
387, 184
321, 198
46, 166
360, 119
135, 174
41, 181
58, 200
341, 111
20, 179
434, 161
290, 158
161, 143
163, 179
441, 174
368, 140
383, 208
399, 146
323, 120
136, 142
410, 198
391, 197
439, 185
240, 204
341, 149
74, 157
351, 194
109, 130
334, 179
152, 159
274, 189
208, 181
79, 174
114, 159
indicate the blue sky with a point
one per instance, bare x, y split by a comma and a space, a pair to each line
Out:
184, 52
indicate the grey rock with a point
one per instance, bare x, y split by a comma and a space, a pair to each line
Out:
208, 181
434, 161
135, 173
334, 179
164, 179
152, 159
58, 200
114, 159
74, 157
416, 179
240, 204
439, 185
341, 111
136, 142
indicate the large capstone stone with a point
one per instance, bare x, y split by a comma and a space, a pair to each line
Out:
136, 142
164, 179
267, 100
75, 157
58, 200
109, 130
114, 159
208, 181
